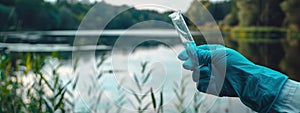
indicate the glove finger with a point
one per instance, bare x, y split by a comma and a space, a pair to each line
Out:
204, 56
204, 79
205, 72
188, 64
183, 55
205, 53
202, 85
210, 46
196, 74
207, 56
202, 72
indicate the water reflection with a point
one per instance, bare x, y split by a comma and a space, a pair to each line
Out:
290, 63
277, 54
280, 55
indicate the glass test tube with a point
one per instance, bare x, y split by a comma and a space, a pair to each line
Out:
185, 36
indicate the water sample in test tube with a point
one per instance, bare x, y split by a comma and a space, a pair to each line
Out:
185, 36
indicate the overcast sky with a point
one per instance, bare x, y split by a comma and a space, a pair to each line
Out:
174, 4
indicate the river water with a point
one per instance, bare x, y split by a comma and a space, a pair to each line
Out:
123, 63
166, 72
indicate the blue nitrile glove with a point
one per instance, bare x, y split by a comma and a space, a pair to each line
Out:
258, 87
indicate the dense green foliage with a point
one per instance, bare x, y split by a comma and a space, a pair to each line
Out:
8, 19
40, 15
198, 15
276, 13
291, 9
231, 18
248, 12
20, 94
260, 13
244, 13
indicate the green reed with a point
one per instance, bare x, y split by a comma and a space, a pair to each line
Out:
48, 93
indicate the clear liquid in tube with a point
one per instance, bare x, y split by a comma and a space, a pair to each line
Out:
185, 36
192, 52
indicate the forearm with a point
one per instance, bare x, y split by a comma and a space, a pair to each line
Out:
288, 100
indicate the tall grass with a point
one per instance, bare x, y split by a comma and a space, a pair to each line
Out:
97, 88
49, 93
180, 90
121, 99
42, 95
183, 102
140, 81
141, 95
10, 88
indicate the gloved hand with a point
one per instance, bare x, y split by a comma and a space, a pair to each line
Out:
227, 71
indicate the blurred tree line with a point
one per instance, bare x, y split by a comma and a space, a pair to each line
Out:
265, 31
245, 13
41, 15
198, 14
275, 13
